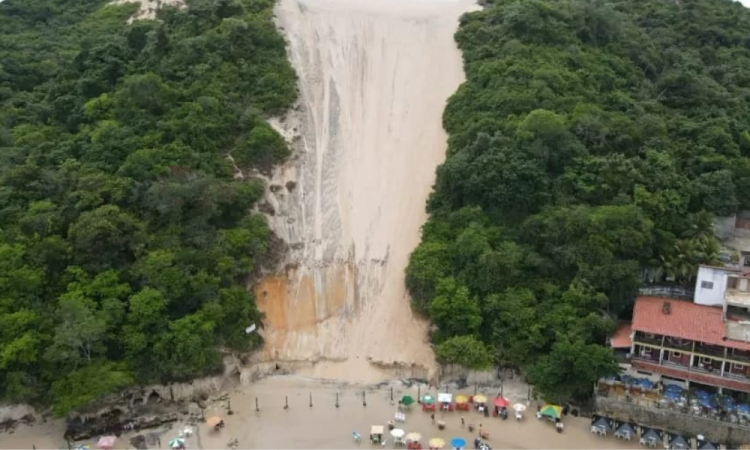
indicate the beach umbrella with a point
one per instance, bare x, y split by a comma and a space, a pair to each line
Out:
428, 399
82, 447
213, 421
458, 442
397, 433
461, 399
480, 399
553, 411
407, 400
519, 407
413, 437
444, 397
106, 442
177, 443
437, 443
500, 402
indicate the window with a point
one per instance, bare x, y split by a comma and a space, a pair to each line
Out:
738, 368
707, 284
646, 351
705, 360
675, 355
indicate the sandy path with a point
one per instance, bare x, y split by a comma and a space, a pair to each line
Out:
374, 77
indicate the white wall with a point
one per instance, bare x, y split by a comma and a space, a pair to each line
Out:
715, 295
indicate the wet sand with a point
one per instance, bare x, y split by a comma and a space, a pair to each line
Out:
324, 426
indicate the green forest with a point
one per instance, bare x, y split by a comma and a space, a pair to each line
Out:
591, 139
126, 243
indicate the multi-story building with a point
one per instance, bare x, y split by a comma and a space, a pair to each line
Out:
684, 342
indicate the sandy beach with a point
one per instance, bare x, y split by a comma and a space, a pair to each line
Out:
325, 426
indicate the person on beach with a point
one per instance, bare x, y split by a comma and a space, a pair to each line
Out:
432, 416
463, 422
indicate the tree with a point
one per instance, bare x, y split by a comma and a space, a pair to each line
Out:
453, 310
466, 351
566, 372
427, 265
81, 387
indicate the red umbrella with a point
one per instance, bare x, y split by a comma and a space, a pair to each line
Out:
500, 402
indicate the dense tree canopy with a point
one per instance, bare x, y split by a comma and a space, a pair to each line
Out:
125, 240
592, 139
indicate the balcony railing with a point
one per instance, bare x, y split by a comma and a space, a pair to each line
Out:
676, 292
738, 298
653, 340
709, 351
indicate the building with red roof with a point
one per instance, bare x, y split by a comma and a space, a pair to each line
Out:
686, 341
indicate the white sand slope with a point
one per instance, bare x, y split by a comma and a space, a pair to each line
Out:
374, 76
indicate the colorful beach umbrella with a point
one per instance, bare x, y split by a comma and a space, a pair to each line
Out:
177, 443
398, 433
458, 442
553, 411
82, 447
500, 402
480, 399
437, 443
213, 421
407, 400
106, 442
519, 407
428, 399
413, 437
461, 399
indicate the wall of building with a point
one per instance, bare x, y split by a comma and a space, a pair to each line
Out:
685, 424
715, 295
724, 226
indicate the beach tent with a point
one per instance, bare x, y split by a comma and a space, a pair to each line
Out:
427, 399
107, 442
461, 399
625, 431
445, 398
600, 424
707, 445
376, 434
652, 437
677, 442
407, 400
552, 411
177, 443
500, 402
458, 443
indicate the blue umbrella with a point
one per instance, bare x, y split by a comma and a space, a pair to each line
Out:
646, 383
673, 388
743, 408
672, 395
705, 402
458, 442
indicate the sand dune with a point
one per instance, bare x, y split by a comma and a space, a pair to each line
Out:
374, 76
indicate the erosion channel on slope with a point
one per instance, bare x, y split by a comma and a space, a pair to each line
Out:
374, 76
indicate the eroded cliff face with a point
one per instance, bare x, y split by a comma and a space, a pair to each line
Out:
367, 137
